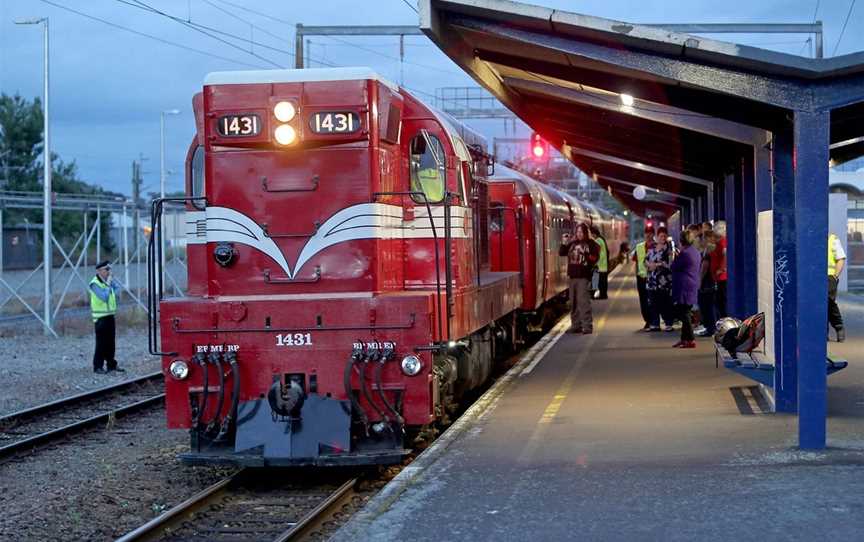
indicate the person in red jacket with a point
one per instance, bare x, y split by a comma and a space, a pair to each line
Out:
582, 254
718, 268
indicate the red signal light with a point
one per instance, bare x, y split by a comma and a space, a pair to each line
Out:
538, 151
538, 146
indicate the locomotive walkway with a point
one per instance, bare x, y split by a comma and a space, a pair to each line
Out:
617, 435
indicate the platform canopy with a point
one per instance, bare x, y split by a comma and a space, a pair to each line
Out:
633, 104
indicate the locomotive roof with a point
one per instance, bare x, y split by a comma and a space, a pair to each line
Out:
306, 75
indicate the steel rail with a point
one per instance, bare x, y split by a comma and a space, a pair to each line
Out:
322, 511
21, 417
184, 512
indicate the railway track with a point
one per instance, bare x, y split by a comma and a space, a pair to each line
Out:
33, 427
252, 506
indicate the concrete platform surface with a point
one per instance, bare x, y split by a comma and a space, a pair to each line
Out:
619, 436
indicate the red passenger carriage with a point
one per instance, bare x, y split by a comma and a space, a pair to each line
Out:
341, 294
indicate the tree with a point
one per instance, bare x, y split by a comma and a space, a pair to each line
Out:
21, 170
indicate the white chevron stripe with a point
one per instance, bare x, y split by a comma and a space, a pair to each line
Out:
362, 221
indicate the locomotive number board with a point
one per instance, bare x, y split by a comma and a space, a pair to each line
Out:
239, 125
334, 122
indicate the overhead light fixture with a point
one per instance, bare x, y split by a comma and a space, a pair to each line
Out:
627, 100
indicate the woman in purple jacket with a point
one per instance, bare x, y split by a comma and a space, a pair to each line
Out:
685, 287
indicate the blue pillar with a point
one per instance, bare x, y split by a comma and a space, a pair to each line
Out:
785, 283
762, 169
811, 237
732, 216
747, 265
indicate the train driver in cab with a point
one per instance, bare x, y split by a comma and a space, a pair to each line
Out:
428, 166
582, 254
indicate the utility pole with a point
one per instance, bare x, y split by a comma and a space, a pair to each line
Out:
136, 198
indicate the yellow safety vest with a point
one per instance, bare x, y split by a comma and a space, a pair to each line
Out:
99, 308
431, 184
641, 268
603, 262
832, 261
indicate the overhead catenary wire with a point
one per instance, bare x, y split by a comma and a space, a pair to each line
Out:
843, 30
407, 3
200, 29
149, 36
242, 20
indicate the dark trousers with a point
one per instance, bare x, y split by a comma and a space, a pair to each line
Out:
603, 285
104, 343
707, 310
685, 314
720, 299
660, 305
834, 316
643, 298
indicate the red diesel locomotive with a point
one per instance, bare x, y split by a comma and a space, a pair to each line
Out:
352, 269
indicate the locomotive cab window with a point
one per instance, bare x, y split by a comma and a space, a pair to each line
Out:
196, 175
427, 167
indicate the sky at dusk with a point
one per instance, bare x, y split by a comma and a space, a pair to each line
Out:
109, 84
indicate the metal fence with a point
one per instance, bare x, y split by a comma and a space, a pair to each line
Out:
22, 295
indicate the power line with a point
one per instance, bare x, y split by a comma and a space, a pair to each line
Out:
241, 19
249, 10
816, 11
410, 6
196, 28
342, 41
149, 36
843, 30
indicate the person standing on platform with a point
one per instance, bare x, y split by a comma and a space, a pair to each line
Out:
103, 307
582, 254
707, 290
659, 261
639, 255
685, 286
836, 262
602, 264
718, 268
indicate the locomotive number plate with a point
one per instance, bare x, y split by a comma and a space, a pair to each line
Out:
239, 125
294, 339
332, 122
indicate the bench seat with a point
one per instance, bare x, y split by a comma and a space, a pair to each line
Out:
755, 367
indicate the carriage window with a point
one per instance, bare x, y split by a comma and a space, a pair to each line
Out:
496, 217
197, 175
427, 167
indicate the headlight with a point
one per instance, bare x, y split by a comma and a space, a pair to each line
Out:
284, 111
178, 369
411, 365
285, 134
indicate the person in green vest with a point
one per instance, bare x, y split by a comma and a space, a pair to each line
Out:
639, 255
602, 264
103, 307
836, 262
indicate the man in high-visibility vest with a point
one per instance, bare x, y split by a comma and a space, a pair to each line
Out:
836, 262
639, 255
602, 264
103, 307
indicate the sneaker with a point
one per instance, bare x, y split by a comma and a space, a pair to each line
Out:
688, 344
646, 327
703, 333
698, 330
117, 370
100, 371
679, 344
669, 328
652, 329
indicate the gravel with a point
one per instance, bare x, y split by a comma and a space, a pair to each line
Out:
100, 485
37, 369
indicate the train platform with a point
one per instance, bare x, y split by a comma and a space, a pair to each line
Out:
617, 435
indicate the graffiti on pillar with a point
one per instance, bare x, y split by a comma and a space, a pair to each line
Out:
781, 280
